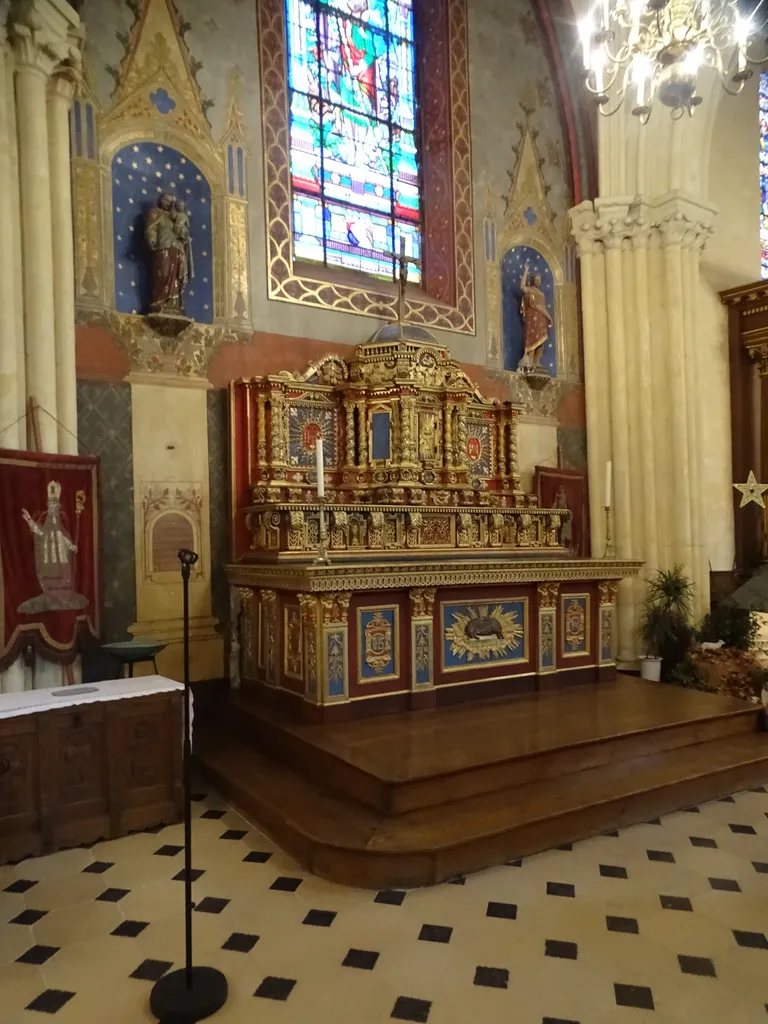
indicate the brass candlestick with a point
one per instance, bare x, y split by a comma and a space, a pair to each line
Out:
322, 539
609, 551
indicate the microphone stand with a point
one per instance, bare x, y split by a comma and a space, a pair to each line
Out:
190, 993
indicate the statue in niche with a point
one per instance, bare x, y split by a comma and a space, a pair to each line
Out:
168, 236
536, 319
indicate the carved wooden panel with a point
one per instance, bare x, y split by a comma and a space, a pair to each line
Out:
18, 775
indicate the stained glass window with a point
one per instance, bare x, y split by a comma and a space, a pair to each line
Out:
764, 174
354, 146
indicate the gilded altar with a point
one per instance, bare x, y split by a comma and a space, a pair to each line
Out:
425, 572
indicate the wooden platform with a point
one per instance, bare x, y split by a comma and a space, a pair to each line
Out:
417, 798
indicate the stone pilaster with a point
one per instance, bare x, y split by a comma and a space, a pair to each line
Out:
11, 354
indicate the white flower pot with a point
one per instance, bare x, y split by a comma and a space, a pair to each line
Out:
650, 668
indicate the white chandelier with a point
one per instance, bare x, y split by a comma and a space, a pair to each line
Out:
654, 49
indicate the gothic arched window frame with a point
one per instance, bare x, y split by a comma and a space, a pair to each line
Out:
445, 298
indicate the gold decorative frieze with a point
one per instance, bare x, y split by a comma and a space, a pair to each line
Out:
443, 572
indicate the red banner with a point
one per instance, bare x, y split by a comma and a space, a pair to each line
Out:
49, 562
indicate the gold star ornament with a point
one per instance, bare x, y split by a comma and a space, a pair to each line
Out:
752, 491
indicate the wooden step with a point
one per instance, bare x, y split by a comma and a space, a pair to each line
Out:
351, 844
405, 762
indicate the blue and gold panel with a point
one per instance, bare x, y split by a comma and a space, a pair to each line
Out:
336, 661
292, 642
577, 625
480, 633
378, 643
547, 661
380, 435
422, 653
606, 634
306, 423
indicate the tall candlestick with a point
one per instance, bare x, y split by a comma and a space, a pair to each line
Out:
320, 468
608, 484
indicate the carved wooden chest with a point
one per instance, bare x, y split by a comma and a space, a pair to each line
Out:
84, 771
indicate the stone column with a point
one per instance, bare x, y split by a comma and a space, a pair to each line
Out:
38, 52
60, 93
11, 380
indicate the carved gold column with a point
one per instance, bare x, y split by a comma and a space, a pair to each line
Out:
547, 631
310, 626
460, 440
37, 54
261, 428
279, 430
61, 89
448, 445
349, 414
362, 420
12, 391
501, 446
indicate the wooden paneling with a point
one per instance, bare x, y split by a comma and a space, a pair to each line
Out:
80, 774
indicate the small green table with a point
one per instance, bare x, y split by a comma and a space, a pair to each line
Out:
130, 652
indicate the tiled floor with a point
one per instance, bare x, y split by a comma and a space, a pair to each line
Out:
662, 922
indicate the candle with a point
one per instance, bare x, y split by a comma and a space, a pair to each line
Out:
608, 483
320, 468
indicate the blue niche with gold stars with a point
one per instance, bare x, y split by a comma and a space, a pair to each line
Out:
513, 265
141, 171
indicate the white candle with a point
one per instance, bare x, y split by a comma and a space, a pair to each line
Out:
608, 484
320, 468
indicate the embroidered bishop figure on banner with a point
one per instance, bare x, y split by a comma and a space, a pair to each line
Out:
48, 554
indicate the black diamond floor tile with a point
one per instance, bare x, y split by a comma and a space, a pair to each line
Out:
568, 847
257, 857
516, 863
502, 910
758, 789
241, 942
460, 880
152, 970
726, 800
750, 940
703, 841
560, 889
154, 830
195, 873
653, 821
628, 925
699, 965
492, 977
98, 867
363, 959
637, 996
613, 871
744, 830
168, 851
675, 903
435, 933
760, 866
130, 929
37, 955
112, 895
614, 833
20, 885
213, 814
725, 884
393, 897
320, 918
285, 884
211, 905
28, 917
234, 833
50, 1001
561, 950
197, 797
416, 1010
275, 988
664, 856
558, 1020
692, 810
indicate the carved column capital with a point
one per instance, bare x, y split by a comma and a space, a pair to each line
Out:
335, 606
422, 601
548, 594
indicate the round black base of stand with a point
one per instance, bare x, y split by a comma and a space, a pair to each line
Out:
173, 1003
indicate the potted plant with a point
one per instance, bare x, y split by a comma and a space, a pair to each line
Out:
665, 630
